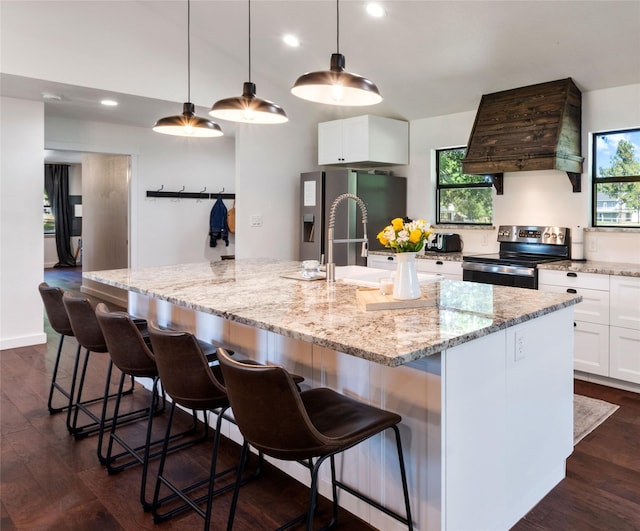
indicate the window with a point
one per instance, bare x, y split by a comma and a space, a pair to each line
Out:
616, 179
49, 220
461, 198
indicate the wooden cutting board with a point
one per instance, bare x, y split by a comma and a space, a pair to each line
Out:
372, 299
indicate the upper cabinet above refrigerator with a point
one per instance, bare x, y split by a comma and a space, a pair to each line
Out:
363, 141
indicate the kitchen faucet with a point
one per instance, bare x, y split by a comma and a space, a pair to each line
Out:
331, 266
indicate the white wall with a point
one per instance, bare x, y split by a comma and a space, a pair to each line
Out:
269, 161
163, 231
534, 197
21, 236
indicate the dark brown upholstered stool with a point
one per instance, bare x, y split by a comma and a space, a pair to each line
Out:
316, 424
89, 334
131, 354
57, 315
189, 381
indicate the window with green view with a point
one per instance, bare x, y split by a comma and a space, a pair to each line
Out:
461, 198
616, 179
48, 219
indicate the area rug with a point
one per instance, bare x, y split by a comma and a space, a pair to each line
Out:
588, 414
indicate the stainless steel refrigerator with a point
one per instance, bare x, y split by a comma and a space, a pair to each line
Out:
385, 197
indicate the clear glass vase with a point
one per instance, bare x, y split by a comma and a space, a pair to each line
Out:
405, 284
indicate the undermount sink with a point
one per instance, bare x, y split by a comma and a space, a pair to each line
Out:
369, 277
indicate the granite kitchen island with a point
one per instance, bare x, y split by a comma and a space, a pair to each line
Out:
483, 377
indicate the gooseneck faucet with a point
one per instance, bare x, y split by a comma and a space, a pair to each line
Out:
331, 266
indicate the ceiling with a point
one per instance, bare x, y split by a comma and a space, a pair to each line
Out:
428, 58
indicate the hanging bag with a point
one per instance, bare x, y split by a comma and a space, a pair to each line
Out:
231, 218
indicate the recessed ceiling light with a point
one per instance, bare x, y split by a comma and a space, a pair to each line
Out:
50, 97
291, 40
375, 10
109, 103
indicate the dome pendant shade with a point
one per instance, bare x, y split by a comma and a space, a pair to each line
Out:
336, 87
248, 108
187, 124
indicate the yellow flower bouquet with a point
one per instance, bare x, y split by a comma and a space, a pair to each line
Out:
405, 235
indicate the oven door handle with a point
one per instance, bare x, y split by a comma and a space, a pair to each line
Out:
499, 269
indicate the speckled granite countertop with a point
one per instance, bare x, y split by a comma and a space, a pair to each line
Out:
253, 292
590, 266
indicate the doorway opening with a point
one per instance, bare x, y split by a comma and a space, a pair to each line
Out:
102, 181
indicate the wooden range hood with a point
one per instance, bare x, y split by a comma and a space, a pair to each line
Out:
530, 128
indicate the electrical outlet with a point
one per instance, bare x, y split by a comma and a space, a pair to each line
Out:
520, 346
593, 244
256, 220
485, 240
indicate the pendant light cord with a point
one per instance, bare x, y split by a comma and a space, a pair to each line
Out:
249, 17
337, 26
189, 50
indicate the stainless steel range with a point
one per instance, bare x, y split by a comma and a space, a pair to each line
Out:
522, 248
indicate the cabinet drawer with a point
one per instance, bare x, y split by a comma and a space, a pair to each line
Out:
625, 302
594, 307
591, 348
449, 268
624, 353
571, 279
382, 261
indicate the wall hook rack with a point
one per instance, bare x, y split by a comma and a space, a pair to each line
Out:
181, 194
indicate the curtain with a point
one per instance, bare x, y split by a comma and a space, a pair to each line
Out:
56, 183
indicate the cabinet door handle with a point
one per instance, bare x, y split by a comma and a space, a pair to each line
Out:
571, 274
571, 290
390, 258
439, 262
574, 324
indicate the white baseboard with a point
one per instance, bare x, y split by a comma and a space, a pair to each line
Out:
609, 382
23, 341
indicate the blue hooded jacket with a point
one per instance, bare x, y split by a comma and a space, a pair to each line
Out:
218, 228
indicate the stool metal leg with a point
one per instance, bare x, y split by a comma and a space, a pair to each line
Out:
54, 381
183, 493
403, 474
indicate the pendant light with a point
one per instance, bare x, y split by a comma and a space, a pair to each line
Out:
248, 108
187, 123
336, 86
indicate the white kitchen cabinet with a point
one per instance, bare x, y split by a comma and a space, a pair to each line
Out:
624, 344
591, 347
594, 307
606, 322
451, 269
571, 279
382, 261
363, 139
625, 302
591, 316
624, 348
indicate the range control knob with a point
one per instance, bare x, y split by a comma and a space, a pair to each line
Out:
561, 237
554, 236
546, 234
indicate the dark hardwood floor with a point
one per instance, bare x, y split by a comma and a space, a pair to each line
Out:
49, 480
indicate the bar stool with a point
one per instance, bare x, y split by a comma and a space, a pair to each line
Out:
89, 335
316, 424
132, 355
59, 321
189, 381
